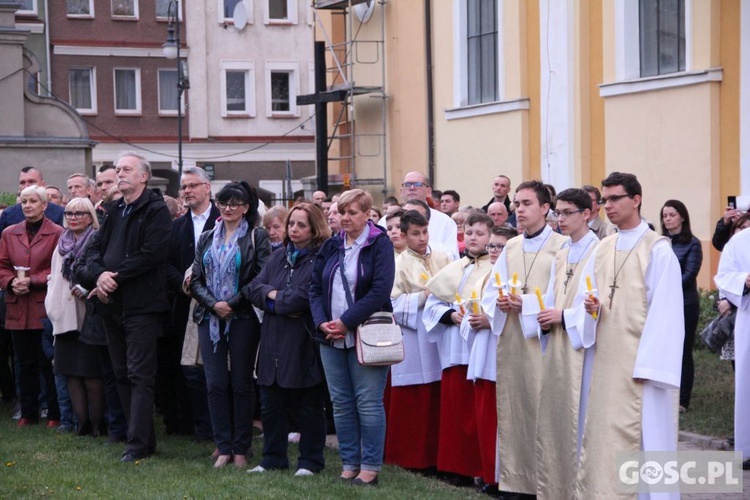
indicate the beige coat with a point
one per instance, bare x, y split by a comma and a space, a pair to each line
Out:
64, 310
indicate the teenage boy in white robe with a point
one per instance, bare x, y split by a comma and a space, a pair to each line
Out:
414, 401
637, 336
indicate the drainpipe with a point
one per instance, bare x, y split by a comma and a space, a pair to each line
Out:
429, 96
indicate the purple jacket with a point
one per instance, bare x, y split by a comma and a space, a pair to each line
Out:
375, 273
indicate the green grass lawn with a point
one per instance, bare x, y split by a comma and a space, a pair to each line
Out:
712, 403
39, 462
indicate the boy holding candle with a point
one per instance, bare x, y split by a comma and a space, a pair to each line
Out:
564, 389
414, 402
458, 447
529, 257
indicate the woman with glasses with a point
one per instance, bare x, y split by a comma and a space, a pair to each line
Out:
675, 223
26, 252
227, 258
66, 309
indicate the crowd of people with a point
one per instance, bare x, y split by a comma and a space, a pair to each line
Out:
520, 320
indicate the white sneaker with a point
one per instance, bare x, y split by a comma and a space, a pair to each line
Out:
257, 468
294, 437
304, 472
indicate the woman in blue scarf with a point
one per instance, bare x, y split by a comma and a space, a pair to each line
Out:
227, 258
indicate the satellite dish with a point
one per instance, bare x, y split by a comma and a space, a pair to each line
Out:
364, 10
240, 16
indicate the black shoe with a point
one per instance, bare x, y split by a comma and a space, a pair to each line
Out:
358, 482
746, 464
132, 456
490, 490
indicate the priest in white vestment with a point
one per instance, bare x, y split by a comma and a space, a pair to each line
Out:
733, 280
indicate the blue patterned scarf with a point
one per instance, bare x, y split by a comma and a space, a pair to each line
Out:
222, 263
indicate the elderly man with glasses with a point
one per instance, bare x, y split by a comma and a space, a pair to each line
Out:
442, 229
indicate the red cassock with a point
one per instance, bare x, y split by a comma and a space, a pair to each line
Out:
458, 446
486, 414
412, 427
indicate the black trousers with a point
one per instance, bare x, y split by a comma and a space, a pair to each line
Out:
32, 362
276, 402
132, 348
692, 313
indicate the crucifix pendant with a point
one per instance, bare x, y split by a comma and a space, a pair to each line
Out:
568, 275
612, 288
524, 290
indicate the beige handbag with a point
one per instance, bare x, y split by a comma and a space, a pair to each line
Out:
380, 341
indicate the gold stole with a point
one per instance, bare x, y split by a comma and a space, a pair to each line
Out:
519, 366
410, 268
613, 418
444, 285
559, 400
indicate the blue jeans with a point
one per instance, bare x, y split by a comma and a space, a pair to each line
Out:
238, 407
67, 419
357, 396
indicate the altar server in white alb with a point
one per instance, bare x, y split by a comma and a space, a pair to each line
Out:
528, 258
733, 280
565, 376
452, 291
637, 336
412, 420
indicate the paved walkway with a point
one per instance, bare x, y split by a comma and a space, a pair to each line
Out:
694, 442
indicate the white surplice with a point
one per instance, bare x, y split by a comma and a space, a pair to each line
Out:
443, 230
734, 267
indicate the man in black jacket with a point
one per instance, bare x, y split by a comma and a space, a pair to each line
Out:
125, 263
182, 390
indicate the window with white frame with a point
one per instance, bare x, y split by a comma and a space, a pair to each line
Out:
227, 8
28, 7
125, 8
281, 11
482, 52
82, 89
80, 8
168, 92
282, 88
127, 91
661, 30
237, 89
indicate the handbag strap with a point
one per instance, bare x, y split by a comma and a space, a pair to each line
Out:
342, 265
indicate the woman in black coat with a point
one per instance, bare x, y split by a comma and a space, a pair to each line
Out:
289, 370
675, 223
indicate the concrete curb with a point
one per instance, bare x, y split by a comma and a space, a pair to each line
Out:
705, 442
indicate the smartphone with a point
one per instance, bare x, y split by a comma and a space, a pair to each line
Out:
82, 290
732, 201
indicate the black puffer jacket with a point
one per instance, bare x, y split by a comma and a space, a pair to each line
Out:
289, 355
252, 259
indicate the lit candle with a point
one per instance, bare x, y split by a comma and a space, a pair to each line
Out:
425, 277
591, 296
459, 302
539, 298
474, 302
499, 285
514, 284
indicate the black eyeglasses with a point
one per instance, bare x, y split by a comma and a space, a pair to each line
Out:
494, 248
191, 186
75, 215
567, 213
231, 206
408, 185
613, 198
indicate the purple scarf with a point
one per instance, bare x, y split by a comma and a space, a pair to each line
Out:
70, 249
